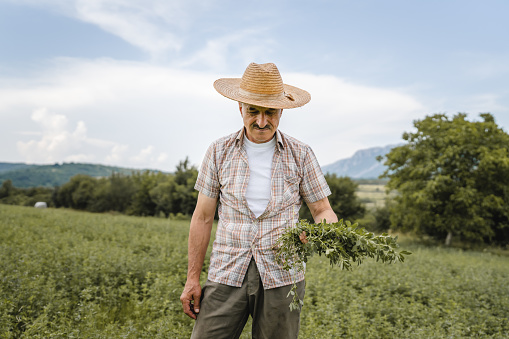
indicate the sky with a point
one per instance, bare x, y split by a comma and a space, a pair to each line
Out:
129, 82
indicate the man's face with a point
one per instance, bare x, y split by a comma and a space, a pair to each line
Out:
260, 122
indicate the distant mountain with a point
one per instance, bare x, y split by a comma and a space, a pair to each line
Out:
23, 175
362, 165
7, 166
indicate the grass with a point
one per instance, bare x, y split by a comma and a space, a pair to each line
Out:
70, 274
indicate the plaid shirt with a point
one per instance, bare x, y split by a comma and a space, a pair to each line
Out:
224, 173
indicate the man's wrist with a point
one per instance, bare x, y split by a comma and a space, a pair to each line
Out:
193, 279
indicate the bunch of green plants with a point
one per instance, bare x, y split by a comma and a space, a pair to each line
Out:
342, 242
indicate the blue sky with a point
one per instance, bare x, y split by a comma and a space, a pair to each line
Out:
129, 82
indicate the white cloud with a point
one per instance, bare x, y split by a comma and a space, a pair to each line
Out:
57, 141
144, 155
145, 116
134, 21
148, 155
117, 154
124, 106
175, 31
121, 107
162, 157
52, 123
72, 83
242, 46
155, 26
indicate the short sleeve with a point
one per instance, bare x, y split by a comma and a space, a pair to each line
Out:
313, 186
207, 181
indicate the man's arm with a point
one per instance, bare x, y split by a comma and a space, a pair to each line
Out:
321, 210
199, 237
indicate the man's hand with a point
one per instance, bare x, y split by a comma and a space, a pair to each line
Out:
303, 237
190, 299
321, 211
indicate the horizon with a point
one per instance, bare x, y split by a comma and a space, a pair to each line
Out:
156, 169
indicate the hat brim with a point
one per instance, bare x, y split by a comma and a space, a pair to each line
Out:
295, 97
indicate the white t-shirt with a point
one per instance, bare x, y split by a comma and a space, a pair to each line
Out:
260, 167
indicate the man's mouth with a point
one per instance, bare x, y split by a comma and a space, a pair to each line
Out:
267, 128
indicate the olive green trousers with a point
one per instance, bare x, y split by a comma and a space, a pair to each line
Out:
224, 310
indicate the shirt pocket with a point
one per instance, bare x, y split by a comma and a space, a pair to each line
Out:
291, 190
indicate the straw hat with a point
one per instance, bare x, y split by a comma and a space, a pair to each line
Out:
262, 85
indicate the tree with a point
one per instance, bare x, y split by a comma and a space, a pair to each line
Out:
343, 199
141, 203
176, 194
6, 189
78, 193
453, 179
382, 217
185, 195
113, 193
83, 195
162, 195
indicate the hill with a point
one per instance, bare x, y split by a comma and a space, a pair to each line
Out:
7, 166
362, 165
24, 176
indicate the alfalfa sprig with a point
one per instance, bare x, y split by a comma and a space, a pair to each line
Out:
342, 242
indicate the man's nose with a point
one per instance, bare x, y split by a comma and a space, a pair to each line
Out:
262, 120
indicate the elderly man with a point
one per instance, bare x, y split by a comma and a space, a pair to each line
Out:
260, 176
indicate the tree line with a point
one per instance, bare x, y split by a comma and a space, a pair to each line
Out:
140, 193
154, 194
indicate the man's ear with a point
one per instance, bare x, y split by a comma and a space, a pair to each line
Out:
240, 108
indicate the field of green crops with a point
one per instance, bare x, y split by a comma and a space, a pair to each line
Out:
68, 274
372, 195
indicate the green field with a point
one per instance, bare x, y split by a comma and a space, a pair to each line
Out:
371, 195
68, 274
